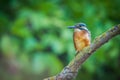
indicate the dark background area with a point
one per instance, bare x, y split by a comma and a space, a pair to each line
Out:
35, 42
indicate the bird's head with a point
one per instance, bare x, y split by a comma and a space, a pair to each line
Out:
81, 26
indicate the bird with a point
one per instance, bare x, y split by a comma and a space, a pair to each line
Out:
81, 36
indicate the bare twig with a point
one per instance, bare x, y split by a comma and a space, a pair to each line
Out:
71, 70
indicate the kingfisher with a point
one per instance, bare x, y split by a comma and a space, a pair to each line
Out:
81, 36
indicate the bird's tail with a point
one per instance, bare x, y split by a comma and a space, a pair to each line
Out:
77, 53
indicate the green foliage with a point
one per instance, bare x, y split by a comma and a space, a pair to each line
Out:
35, 41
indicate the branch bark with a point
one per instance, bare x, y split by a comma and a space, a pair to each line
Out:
71, 70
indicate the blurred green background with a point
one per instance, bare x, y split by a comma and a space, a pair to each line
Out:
35, 42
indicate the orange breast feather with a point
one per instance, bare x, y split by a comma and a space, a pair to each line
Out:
81, 40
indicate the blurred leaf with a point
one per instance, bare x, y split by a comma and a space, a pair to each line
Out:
42, 62
30, 44
20, 28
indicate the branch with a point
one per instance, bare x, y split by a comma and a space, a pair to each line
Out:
71, 70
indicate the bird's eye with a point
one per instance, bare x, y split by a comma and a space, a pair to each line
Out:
78, 25
82, 25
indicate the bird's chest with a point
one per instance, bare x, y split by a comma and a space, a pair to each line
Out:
81, 39
80, 35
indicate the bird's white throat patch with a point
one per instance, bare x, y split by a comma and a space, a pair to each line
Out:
76, 30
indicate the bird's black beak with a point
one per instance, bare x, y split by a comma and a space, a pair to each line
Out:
71, 27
